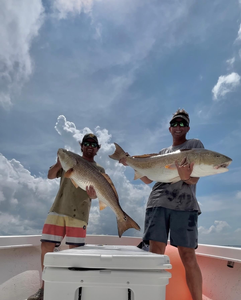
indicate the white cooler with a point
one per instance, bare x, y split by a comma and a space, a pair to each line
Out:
105, 273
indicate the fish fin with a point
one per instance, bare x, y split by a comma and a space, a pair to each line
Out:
111, 183
102, 205
175, 179
68, 173
171, 167
137, 175
145, 155
126, 223
118, 154
74, 183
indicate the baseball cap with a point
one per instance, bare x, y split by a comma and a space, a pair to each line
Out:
90, 136
181, 113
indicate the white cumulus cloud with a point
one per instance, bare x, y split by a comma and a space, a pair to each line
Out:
72, 136
24, 199
20, 23
225, 84
218, 227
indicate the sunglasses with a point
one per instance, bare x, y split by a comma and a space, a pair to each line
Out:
87, 144
181, 124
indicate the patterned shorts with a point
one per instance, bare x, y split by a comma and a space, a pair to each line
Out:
56, 227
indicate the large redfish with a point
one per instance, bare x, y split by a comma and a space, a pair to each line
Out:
162, 168
82, 173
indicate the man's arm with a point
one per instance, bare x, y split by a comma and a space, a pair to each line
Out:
146, 180
52, 173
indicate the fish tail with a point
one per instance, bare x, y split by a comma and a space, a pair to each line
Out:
125, 223
118, 154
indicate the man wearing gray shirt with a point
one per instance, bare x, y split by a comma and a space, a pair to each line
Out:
173, 207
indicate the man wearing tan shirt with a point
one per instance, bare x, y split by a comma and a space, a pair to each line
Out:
69, 214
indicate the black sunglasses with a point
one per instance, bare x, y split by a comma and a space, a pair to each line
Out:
181, 124
87, 144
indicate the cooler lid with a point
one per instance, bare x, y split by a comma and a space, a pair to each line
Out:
107, 257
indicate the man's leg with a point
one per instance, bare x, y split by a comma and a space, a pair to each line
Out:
45, 248
193, 273
156, 229
157, 247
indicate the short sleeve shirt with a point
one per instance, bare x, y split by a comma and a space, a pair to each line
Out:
179, 195
71, 201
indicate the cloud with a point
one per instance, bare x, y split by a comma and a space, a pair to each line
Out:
225, 84
24, 199
5, 100
119, 42
20, 24
220, 233
218, 227
230, 62
238, 195
63, 8
218, 202
239, 34
72, 136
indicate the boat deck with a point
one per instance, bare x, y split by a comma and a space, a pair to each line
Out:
220, 266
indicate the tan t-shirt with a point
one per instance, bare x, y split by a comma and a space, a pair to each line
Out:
71, 201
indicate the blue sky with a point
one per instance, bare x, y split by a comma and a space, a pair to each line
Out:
118, 69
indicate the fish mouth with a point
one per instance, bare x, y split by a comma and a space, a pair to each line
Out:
223, 166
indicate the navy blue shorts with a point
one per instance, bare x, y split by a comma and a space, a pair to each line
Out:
182, 226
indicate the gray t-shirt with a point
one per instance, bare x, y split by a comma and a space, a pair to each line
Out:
179, 195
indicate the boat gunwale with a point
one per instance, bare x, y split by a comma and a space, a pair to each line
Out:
213, 251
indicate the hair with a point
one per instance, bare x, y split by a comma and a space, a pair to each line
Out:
182, 111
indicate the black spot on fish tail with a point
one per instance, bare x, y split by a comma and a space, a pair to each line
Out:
126, 223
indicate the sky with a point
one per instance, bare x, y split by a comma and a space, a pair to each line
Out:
119, 69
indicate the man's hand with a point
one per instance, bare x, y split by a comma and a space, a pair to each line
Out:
184, 169
91, 192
